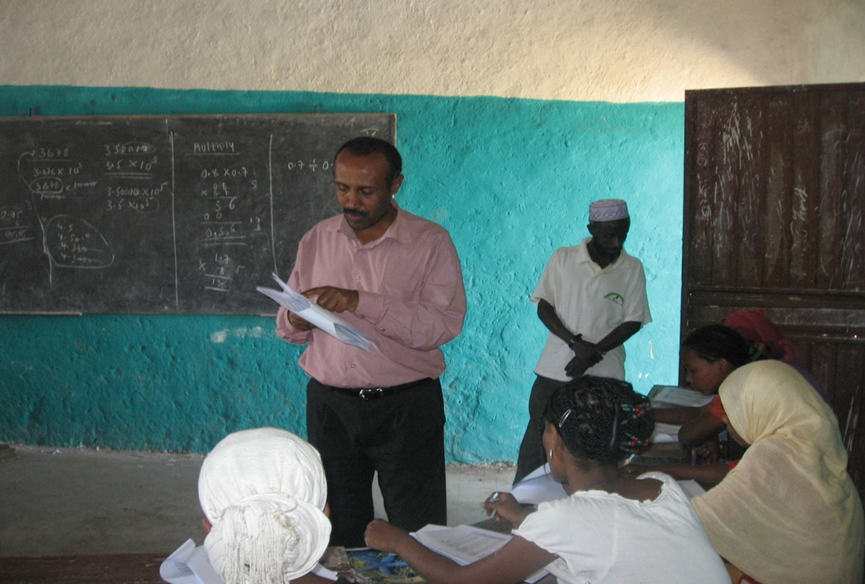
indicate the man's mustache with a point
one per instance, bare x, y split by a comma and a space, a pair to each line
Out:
353, 212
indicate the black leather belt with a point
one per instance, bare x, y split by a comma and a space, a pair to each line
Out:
370, 393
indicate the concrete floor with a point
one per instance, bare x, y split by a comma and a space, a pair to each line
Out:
75, 501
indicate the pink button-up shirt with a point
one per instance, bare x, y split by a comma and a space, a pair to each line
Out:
411, 301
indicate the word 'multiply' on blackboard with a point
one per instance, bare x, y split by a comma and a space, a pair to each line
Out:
147, 214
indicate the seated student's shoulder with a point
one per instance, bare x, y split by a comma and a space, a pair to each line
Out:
644, 488
663, 484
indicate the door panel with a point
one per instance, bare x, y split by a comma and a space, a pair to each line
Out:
774, 206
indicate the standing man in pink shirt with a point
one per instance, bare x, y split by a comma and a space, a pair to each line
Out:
397, 278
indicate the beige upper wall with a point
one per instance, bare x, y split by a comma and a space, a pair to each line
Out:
605, 50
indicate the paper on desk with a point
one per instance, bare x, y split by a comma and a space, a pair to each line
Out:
665, 433
315, 314
189, 565
465, 544
679, 396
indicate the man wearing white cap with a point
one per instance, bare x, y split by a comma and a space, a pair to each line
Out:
592, 298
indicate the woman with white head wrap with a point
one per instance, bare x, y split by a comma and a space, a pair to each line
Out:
263, 492
788, 512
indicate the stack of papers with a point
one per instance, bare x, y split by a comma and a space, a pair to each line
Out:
665, 433
465, 544
314, 314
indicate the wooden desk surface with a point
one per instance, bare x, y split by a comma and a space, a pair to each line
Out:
118, 568
114, 569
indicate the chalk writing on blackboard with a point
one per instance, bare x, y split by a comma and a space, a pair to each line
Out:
180, 214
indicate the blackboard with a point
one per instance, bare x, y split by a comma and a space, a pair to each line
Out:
162, 214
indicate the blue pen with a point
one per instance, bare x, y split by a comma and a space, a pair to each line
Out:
495, 498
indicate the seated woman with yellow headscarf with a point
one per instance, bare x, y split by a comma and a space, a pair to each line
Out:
788, 512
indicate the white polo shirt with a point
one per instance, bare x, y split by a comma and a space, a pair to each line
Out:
592, 302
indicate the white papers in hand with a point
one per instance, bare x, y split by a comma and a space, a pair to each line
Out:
465, 544
315, 314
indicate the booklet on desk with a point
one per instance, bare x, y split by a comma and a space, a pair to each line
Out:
369, 566
314, 314
665, 433
678, 396
465, 544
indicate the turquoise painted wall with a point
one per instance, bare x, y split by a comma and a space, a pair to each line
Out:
511, 179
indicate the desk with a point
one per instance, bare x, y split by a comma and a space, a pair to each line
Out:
670, 453
121, 568
113, 569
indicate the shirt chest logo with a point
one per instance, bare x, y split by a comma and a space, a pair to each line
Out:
615, 297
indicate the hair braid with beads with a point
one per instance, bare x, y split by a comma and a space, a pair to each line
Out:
601, 419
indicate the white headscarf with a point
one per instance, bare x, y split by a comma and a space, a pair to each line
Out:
788, 512
264, 492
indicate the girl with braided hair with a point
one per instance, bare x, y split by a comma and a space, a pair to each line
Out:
612, 527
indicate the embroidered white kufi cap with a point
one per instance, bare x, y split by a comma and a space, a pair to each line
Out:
608, 210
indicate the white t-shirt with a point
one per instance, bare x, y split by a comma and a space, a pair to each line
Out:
601, 537
592, 302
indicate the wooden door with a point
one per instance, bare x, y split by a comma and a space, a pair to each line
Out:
774, 204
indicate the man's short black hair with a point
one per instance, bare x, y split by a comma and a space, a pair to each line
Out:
366, 145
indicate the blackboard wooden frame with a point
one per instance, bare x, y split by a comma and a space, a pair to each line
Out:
162, 214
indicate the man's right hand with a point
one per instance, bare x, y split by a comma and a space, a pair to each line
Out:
334, 299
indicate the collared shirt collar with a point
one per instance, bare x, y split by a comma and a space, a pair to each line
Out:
583, 256
397, 229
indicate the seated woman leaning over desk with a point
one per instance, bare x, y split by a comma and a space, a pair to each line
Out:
709, 354
612, 528
788, 513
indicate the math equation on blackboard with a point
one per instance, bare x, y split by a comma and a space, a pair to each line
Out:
150, 214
